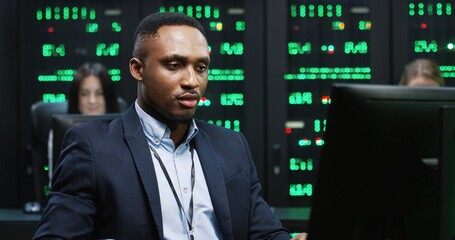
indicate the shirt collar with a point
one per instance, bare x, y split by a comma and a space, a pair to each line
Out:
156, 131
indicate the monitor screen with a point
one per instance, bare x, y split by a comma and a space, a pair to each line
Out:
447, 169
61, 123
378, 174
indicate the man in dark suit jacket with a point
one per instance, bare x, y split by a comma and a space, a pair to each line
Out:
111, 182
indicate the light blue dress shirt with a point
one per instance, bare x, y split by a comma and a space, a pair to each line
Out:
178, 165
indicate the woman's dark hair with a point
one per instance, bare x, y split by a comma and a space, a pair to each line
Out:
422, 68
109, 92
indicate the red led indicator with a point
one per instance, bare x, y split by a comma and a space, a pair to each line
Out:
288, 130
50, 29
325, 99
330, 49
203, 99
423, 25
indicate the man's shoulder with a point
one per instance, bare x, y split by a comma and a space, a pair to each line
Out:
102, 125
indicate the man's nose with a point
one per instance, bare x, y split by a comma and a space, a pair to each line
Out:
190, 79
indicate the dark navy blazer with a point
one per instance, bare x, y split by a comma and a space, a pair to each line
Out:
105, 185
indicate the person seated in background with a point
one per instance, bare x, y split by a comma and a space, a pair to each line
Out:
91, 92
422, 73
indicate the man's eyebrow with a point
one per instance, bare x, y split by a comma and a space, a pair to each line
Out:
173, 57
181, 58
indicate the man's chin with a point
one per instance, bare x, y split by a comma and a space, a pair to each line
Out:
183, 118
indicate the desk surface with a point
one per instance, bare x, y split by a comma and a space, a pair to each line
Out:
281, 213
17, 215
17, 225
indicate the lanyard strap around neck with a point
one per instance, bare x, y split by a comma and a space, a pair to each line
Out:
189, 219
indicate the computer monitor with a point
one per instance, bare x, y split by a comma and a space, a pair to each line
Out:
62, 123
447, 169
378, 176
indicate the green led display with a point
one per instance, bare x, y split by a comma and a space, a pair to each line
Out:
61, 75
240, 26
330, 49
115, 74
316, 10
358, 48
216, 26
116, 27
231, 99
103, 49
39, 15
54, 78
67, 75
364, 25
430, 9
300, 190
300, 98
91, 27
447, 71
319, 125
298, 164
304, 142
52, 98
295, 48
325, 73
225, 75
66, 72
425, 46
234, 125
52, 50
194, 11
65, 13
231, 49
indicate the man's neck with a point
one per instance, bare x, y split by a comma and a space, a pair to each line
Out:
179, 133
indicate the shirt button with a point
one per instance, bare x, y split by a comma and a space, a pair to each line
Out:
185, 190
156, 140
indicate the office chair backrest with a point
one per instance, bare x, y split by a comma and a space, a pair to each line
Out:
42, 118
122, 104
41, 113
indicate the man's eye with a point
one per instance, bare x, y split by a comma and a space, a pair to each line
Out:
201, 68
174, 65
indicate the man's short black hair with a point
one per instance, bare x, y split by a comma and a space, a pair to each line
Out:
149, 26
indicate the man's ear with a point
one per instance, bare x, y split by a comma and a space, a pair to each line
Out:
136, 68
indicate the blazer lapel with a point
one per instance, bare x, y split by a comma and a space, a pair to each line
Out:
138, 145
215, 182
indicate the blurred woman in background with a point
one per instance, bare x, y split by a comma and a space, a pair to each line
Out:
422, 73
92, 91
